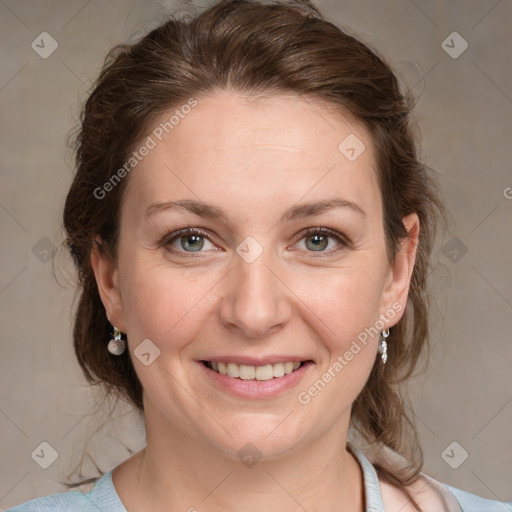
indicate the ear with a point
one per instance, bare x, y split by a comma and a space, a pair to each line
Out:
397, 284
107, 280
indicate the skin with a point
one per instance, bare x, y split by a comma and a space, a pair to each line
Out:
254, 161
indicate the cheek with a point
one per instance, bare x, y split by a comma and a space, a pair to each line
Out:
343, 311
161, 302
346, 300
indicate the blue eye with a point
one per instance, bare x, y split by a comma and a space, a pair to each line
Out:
319, 238
190, 240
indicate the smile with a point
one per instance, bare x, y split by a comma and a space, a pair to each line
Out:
248, 372
254, 381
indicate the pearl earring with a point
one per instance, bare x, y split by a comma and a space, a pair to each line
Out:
383, 345
116, 346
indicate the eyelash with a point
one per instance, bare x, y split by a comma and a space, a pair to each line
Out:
341, 239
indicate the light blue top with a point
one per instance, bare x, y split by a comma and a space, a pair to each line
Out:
104, 498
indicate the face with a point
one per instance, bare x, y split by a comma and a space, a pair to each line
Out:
284, 261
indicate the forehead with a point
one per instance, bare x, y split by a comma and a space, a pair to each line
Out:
230, 148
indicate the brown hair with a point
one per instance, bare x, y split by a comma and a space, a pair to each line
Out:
255, 48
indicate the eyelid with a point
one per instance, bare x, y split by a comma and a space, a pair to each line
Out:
342, 239
326, 231
175, 235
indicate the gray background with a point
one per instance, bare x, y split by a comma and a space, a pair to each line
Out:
464, 113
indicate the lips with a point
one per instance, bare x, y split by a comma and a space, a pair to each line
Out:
262, 385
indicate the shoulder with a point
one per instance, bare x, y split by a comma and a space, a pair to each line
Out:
101, 497
434, 496
72, 501
429, 497
473, 503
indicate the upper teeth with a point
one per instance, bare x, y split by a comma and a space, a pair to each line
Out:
246, 372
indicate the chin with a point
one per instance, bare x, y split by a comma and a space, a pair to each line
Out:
264, 438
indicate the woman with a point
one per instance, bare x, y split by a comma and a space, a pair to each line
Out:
252, 231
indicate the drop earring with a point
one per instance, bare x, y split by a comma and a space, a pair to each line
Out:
383, 345
116, 346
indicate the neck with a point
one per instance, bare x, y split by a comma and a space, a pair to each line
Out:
179, 472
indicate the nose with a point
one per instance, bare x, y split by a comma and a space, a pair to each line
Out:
255, 300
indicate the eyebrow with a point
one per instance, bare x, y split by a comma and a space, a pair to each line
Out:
297, 211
